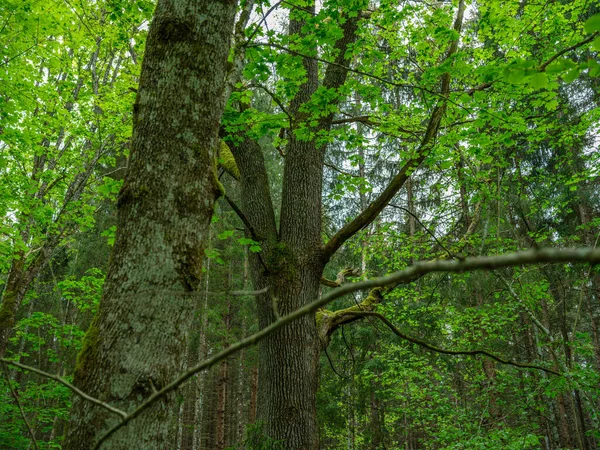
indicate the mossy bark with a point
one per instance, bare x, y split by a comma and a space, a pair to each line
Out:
136, 343
17, 284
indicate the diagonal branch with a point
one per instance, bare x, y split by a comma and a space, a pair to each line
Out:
23, 415
341, 277
534, 256
428, 346
545, 64
345, 67
542, 67
248, 226
429, 232
75, 390
372, 211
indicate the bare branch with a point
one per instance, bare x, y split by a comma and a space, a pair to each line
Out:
534, 256
428, 346
372, 211
60, 380
248, 226
341, 277
276, 99
240, 293
429, 232
358, 119
338, 170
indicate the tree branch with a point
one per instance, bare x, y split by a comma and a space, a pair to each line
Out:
428, 346
16, 397
75, 390
248, 226
357, 119
542, 67
534, 256
590, 38
372, 211
342, 66
240, 293
276, 99
341, 277
338, 170
406, 210
329, 321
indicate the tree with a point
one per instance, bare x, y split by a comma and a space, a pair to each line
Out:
446, 91
487, 126
135, 344
64, 123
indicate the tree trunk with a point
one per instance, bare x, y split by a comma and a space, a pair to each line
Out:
253, 397
17, 284
291, 261
136, 342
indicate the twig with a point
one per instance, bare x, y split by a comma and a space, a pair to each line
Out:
16, 397
337, 169
349, 69
276, 99
241, 293
358, 119
428, 346
332, 366
77, 391
264, 17
590, 38
424, 227
248, 226
542, 67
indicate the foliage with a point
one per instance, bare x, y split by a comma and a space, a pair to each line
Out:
514, 165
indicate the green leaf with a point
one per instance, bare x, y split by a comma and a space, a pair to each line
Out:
515, 76
596, 44
110, 187
571, 75
594, 67
592, 24
225, 235
539, 80
110, 235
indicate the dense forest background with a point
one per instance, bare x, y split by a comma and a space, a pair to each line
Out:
502, 359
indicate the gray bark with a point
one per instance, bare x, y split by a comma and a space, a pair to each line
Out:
136, 342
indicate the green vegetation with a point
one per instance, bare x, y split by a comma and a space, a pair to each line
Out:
480, 119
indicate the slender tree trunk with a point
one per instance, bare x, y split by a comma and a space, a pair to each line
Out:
222, 389
253, 397
136, 342
16, 287
200, 382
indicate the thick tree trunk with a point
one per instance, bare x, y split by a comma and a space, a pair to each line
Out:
136, 342
288, 362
